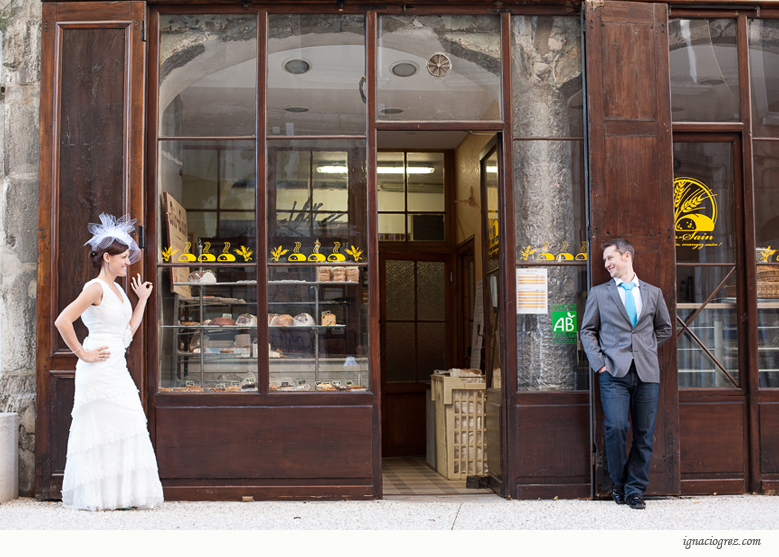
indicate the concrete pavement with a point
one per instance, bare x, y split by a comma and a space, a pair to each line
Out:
468, 512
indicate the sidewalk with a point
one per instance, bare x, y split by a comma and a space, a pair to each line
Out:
467, 512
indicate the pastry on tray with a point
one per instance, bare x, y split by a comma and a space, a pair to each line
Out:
246, 319
202, 277
303, 320
284, 320
222, 321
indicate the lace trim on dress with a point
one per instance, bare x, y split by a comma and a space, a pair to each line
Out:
121, 458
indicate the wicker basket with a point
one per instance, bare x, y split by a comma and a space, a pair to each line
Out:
764, 290
767, 273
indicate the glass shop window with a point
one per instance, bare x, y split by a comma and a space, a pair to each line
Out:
549, 198
764, 70
207, 197
316, 74
411, 197
704, 70
317, 275
439, 68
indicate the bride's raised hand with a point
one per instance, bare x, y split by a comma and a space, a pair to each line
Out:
141, 289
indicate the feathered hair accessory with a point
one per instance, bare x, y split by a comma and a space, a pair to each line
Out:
110, 229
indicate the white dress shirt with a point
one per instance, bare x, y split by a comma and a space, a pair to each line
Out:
636, 292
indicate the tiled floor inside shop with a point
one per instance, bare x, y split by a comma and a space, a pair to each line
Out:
410, 475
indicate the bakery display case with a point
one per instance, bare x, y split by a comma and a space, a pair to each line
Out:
317, 328
317, 280
209, 330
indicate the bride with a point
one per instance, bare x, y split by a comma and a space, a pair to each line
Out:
110, 460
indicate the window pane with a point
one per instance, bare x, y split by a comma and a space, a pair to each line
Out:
400, 287
208, 88
392, 227
425, 177
549, 353
316, 65
317, 328
391, 182
766, 164
330, 180
426, 228
237, 184
297, 217
704, 70
710, 344
400, 352
439, 68
547, 76
197, 352
190, 174
549, 201
704, 202
431, 289
764, 69
431, 349
768, 325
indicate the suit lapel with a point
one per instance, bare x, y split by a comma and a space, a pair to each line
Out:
644, 299
614, 293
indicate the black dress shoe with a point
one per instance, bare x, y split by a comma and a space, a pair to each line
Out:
618, 495
636, 501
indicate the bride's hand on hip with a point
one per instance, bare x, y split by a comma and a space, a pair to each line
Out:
98, 355
141, 289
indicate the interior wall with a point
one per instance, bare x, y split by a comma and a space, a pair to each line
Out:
466, 175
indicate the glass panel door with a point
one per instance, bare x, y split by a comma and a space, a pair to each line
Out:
706, 203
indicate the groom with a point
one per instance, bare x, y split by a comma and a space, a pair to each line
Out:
624, 322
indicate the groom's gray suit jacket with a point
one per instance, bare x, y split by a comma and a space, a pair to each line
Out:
609, 339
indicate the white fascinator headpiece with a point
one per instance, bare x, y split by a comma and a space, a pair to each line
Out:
110, 229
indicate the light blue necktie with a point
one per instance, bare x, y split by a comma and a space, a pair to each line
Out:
630, 302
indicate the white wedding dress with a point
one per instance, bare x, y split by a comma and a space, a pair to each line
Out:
110, 460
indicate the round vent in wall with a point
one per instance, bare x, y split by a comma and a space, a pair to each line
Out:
439, 65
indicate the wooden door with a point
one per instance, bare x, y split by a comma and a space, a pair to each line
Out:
631, 183
711, 307
91, 161
416, 339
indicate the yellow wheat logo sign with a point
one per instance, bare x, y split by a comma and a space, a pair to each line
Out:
695, 209
695, 213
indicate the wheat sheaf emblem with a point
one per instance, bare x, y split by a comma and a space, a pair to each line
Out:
695, 206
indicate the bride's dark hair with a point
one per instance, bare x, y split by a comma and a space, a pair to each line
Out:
114, 248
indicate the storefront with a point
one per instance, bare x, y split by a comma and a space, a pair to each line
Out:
372, 179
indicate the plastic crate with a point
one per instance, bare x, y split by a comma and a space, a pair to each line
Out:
460, 422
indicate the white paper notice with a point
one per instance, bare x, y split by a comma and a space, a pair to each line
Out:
532, 291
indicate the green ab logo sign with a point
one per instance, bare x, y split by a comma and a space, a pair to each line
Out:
564, 325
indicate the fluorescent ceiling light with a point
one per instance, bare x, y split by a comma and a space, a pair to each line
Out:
334, 169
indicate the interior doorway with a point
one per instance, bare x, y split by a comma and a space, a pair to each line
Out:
430, 254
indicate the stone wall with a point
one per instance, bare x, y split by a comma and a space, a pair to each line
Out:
20, 76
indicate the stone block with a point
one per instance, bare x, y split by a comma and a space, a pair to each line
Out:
9, 456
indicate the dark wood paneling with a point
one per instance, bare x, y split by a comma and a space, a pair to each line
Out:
91, 161
91, 115
712, 439
403, 427
769, 437
554, 442
296, 492
631, 186
713, 487
271, 443
549, 491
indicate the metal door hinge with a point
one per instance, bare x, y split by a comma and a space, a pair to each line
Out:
143, 30
141, 237
451, 276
